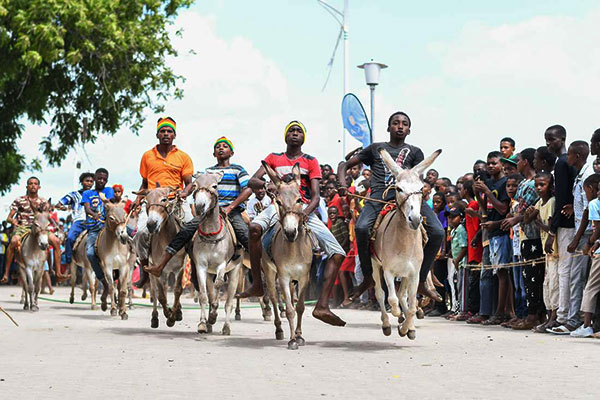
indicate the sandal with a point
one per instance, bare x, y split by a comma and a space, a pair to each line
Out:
559, 330
495, 320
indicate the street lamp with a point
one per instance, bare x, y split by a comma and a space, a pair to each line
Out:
372, 72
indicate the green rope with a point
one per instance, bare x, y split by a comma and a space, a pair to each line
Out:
150, 305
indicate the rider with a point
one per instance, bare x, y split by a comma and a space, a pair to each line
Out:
282, 163
93, 202
73, 200
407, 156
168, 166
233, 192
21, 216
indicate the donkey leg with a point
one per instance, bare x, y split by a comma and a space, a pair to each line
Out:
213, 303
154, 282
300, 311
73, 270
231, 290
265, 307
380, 295
176, 309
161, 293
30, 287
411, 292
37, 287
92, 286
290, 313
403, 303
202, 298
270, 281
220, 280
124, 286
108, 273
392, 298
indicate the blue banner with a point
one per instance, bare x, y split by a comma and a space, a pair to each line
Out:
355, 119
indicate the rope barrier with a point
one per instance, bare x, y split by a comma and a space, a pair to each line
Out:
528, 263
248, 306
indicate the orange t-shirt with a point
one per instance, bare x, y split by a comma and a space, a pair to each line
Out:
167, 171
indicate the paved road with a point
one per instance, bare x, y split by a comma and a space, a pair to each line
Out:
69, 350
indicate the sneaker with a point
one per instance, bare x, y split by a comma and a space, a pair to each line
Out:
582, 332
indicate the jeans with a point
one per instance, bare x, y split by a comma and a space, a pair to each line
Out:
76, 229
364, 226
564, 236
486, 286
579, 269
520, 294
189, 228
90, 249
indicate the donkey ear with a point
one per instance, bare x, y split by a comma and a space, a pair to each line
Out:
142, 192
426, 163
296, 173
272, 174
389, 162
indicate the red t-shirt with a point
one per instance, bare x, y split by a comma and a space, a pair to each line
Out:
472, 225
309, 169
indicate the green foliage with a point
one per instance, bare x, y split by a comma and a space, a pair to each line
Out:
70, 63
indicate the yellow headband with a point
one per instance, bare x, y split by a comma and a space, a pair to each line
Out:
299, 125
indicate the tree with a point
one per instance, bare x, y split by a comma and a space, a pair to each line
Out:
70, 63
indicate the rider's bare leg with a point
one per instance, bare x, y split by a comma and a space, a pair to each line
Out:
322, 310
10, 253
255, 250
55, 243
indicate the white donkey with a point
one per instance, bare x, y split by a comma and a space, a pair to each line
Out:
214, 253
32, 258
398, 247
291, 248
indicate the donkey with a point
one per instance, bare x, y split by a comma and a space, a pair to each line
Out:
88, 280
33, 257
163, 224
291, 250
398, 246
113, 253
214, 253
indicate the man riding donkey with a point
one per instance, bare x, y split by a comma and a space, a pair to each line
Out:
166, 166
233, 192
282, 164
21, 216
406, 156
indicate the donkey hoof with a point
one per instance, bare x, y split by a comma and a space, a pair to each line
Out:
226, 331
178, 315
71, 299
104, 306
167, 312
124, 317
113, 312
401, 318
154, 323
209, 328
35, 308
400, 332
238, 317
292, 345
420, 313
282, 314
300, 340
170, 322
83, 297
279, 335
266, 317
412, 334
387, 330
212, 318
202, 327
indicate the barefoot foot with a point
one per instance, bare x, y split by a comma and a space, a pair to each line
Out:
253, 291
366, 284
325, 315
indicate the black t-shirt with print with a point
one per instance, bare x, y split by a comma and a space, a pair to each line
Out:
498, 188
406, 156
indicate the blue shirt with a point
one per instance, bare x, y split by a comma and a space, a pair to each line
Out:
234, 180
92, 198
73, 200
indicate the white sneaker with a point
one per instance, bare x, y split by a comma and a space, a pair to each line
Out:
582, 332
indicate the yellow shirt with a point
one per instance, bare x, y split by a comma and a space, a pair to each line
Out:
167, 171
546, 211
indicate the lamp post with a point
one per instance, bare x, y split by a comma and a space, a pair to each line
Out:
372, 72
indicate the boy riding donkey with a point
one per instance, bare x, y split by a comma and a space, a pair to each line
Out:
21, 216
282, 164
406, 156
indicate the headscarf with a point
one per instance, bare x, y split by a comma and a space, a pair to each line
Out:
166, 122
223, 139
298, 124
117, 186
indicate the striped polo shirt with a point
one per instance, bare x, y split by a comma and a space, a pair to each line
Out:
235, 179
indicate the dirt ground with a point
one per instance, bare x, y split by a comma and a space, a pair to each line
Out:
71, 351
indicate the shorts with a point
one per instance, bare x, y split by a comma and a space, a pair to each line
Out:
500, 250
20, 230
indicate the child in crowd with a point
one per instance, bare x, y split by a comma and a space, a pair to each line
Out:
542, 213
512, 184
339, 229
459, 245
543, 160
475, 248
592, 288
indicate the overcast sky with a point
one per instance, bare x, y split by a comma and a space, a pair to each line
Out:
468, 73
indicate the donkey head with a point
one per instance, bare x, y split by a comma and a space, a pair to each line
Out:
157, 207
40, 229
288, 201
206, 194
115, 221
409, 186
